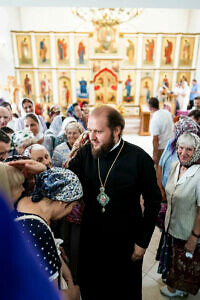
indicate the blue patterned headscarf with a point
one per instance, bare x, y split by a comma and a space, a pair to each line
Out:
57, 184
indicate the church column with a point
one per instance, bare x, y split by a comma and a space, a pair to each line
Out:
139, 52
157, 65
34, 53
73, 85
53, 50
54, 71
20, 93
15, 50
158, 51
72, 64
138, 65
195, 52
197, 60
37, 87
176, 55
137, 88
91, 93
55, 86
156, 81
119, 92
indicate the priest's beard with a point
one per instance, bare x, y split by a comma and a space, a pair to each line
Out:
104, 149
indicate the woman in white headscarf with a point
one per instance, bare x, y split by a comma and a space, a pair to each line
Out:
72, 130
27, 106
31, 121
61, 136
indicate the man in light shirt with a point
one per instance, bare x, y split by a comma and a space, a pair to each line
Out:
161, 127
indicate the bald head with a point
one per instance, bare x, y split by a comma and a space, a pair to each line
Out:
4, 116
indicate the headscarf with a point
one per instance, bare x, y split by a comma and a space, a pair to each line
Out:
65, 123
54, 109
56, 125
195, 159
40, 134
17, 282
29, 149
23, 113
71, 113
9, 176
81, 141
57, 184
185, 124
18, 138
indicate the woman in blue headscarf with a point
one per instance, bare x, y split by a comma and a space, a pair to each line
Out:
75, 111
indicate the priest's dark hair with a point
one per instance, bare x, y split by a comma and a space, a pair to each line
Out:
114, 118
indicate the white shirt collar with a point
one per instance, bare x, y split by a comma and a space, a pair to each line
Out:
116, 145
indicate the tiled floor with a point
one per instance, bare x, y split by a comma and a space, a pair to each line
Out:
151, 279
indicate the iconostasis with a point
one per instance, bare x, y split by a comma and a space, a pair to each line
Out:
104, 66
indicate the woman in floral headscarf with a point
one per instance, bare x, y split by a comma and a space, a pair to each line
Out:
56, 192
169, 155
182, 221
22, 139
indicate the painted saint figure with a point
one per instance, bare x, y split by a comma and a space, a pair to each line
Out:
62, 49
81, 52
45, 89
65, 94
27, 85
146, 93
128, 86
43, 50
82, 92
186, 52
24, 49
130, 52
149, 51
168, 52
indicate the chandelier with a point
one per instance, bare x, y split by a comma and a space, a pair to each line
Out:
107, 16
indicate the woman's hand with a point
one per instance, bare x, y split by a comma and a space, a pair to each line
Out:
28, 166
72, 293
191, 244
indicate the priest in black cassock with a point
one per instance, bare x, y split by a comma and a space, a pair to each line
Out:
114, 231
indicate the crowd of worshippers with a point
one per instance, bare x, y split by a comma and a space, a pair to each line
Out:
85, 203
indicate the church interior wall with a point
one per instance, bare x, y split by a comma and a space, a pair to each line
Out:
59, 19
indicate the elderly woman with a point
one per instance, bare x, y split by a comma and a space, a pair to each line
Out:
169, 156
61, 136
61, 152
57, 191
182, 221
39, 153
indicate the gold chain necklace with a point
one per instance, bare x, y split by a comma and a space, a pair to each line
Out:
102, 198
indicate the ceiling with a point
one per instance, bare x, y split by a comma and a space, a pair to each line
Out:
192, 4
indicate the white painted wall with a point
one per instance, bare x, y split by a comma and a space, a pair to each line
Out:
9, 20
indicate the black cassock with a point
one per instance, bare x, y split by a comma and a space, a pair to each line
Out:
107, 238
